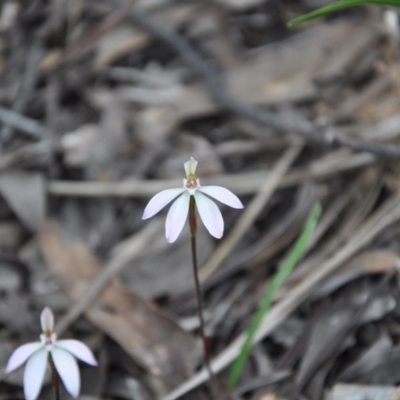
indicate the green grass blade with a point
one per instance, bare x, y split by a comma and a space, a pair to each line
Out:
284, 270
338, 6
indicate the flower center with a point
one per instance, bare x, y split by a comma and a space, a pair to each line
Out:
48, 339
191, 183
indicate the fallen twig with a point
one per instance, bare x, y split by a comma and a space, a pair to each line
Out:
28, 125
242, 184
26, 92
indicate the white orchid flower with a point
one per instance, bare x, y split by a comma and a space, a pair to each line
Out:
62, 353
208, 210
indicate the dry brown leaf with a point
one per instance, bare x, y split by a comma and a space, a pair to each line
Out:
367, 262
154, 341
372, 262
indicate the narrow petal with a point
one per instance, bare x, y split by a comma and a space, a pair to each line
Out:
190, 167
160, 200
78, 349
34, 374
47, 320
67, 368
176, 217
210, 215
21, 354
223, 195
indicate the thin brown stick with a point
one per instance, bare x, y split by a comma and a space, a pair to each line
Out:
200, 305
55, 379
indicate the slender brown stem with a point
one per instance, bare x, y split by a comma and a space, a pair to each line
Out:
55, 379
206, 349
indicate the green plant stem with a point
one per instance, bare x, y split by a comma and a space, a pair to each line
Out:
206, 349
284, 270
338, 6
55, 379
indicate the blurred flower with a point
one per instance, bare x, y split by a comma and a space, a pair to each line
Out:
61, 352
208, 210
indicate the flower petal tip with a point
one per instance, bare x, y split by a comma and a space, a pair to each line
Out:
160, 200
12, 365
78, 349
34, 374
170, 237
21, 354
223, 195
9, 368
176, 217
210, 215
67, 369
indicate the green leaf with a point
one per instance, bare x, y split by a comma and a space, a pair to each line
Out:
338, 6
283, 271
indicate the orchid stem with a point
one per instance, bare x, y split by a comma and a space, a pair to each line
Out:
55, 379
206, 349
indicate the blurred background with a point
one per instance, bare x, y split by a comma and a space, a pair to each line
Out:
101, 103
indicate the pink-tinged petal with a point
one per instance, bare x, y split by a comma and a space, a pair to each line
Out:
78, 349
67, 368
176, 217
21, 354
160, 200
34, 374
223, 195
210, 215
47, 320
190, 167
